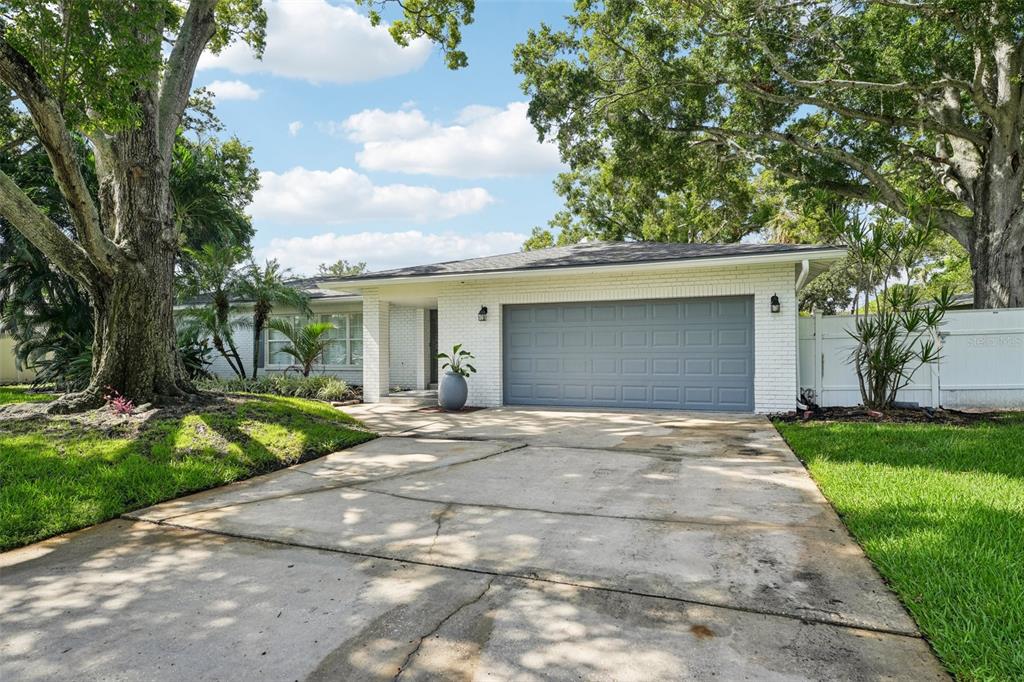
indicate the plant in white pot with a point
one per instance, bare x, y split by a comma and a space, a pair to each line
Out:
453, 391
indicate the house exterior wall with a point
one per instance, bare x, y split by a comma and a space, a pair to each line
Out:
775, 335
244, 343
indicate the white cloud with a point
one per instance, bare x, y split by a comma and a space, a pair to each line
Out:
322, 43
384, 250
314, 197
226, 90
482, 142
294, 127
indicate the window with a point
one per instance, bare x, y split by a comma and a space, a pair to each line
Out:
345, 348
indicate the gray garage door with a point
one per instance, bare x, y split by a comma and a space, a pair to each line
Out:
692, 353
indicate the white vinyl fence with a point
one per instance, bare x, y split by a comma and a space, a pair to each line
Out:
981, 364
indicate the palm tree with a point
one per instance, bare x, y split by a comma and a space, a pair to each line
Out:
213, 271
307, 342
267, 287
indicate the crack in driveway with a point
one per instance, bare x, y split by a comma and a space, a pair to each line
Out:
419, 643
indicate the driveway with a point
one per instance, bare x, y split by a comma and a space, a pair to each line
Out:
521, 544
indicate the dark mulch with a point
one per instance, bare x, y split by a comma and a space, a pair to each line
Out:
895, 415
437, 408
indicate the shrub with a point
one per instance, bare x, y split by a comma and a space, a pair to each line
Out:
320, 387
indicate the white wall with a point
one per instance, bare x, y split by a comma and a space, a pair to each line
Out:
981, 363
775, 359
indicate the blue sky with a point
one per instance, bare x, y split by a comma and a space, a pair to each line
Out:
374, 153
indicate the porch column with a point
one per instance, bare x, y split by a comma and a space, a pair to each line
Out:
421, 325
376, 347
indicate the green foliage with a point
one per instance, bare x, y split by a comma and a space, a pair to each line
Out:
900, 336
669, 114
266, 287
438, 20
60, 475
194, 350
306, 341
213, 272
213, 183
938, 509
457, 361
94, 54
341, 268
322, 387
46, 311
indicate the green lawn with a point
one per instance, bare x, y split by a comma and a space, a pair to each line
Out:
57, 475
21, 394
940, 510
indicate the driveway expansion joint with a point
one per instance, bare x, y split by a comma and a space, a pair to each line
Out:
134, 516
536, 577
367, 488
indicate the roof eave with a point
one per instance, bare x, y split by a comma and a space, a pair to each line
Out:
823, 255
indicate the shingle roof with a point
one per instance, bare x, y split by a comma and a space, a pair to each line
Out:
589, 254
309, 285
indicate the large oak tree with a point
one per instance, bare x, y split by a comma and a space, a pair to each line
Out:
918, 106
119, 73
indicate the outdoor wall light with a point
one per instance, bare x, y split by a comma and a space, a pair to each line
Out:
776, 306
482, 315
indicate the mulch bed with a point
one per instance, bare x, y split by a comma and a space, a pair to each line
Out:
896, 415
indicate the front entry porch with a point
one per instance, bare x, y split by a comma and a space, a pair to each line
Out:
400, 345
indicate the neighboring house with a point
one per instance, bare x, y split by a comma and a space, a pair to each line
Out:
602, 324
10, 371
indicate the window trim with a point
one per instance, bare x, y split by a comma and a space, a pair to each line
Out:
268, 365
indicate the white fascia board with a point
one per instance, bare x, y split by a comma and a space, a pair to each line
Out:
719, 261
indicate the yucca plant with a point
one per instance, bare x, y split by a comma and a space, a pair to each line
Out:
896, 330
306, 342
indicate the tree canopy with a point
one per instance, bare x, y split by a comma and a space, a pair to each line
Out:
914, 106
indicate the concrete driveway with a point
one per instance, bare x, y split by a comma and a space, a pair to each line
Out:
501, 544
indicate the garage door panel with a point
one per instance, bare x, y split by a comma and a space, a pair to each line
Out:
698, 338
634, 366
733, 337
679, 353
666, 366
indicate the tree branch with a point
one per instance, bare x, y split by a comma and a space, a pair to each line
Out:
44, 234
197, 28
21, 76
942, 127
883, 191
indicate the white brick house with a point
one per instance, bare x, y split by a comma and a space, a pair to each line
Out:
624, 324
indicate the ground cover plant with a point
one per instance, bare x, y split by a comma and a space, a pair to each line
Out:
940, 510
61, 473
321, 387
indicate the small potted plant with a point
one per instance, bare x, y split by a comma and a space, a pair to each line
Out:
453, 391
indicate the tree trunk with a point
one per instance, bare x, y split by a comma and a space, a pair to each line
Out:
135, 349
996, 240
997, 262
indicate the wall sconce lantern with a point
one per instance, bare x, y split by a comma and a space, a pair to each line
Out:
776, 306
482, 315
